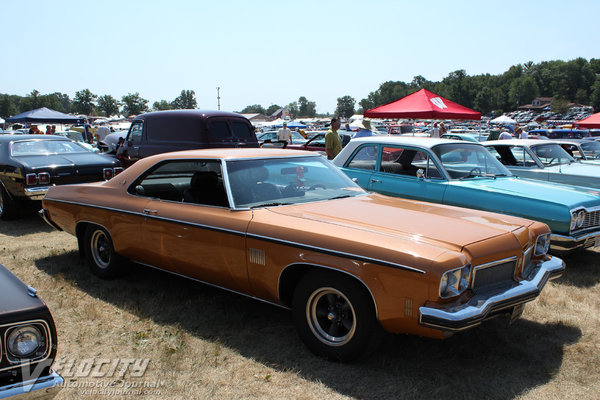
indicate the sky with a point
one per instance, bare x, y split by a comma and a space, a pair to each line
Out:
273, 52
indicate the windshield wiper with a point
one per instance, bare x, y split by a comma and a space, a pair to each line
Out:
343, 196
273, 204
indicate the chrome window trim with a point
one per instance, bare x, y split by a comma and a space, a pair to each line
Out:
303, 246
47, 351
492, 264
332, 269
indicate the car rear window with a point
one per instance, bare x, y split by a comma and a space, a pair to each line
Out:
44, 147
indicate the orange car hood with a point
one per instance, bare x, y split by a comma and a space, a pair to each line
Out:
452, 227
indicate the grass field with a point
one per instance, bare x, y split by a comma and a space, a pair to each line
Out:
205, 343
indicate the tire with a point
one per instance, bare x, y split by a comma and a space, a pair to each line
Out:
335, 316
9, 208
100, 253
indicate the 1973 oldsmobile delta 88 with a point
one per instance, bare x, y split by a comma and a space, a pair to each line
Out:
287, 227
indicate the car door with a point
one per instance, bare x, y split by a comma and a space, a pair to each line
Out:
129, 152
519, 161
397, 174
361, 164
200, 241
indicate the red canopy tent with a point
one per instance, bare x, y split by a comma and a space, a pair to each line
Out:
593, 121
423, 104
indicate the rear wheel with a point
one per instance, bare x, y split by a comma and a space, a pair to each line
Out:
100, 253
9, 208
335, 316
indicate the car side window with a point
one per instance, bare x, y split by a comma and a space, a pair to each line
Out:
197, 181
406, 161
521, 157
364, 158
241, 130
135, 134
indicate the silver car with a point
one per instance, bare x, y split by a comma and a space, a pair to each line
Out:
544, 160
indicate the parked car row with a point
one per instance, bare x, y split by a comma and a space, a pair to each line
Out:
398, 234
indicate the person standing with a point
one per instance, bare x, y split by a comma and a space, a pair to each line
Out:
284, 134
333, 142
365, 129
435, 131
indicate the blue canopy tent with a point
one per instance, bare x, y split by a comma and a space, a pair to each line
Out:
296, 125
45, 115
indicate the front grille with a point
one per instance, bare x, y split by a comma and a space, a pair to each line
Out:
592, 219
493, 274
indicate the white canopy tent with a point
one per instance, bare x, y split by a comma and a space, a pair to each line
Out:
503, 119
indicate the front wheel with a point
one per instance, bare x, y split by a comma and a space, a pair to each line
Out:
100, 253
335, 316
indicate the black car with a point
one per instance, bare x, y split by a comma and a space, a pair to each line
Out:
173, 130
30, 164
28, 342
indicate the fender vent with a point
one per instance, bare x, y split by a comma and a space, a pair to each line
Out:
256, 256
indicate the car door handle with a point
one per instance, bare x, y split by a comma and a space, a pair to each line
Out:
148, 211
375, 181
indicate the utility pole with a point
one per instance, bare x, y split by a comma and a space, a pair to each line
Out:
218, 98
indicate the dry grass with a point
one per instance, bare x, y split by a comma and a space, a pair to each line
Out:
204, 343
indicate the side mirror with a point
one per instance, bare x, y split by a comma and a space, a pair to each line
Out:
355, 180
420, 173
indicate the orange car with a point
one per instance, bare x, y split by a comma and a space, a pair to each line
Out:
289, 228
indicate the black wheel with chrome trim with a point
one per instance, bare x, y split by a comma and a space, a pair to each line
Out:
100, 253
335, 316
9, 208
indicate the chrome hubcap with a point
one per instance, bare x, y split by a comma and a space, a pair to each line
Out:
101, 249
330, 316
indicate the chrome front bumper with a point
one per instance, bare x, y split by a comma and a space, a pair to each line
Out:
569, 243
483, 306
45, 387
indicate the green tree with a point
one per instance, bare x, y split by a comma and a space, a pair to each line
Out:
31, 101
595, 95
522, 91
83, 103
306, 108
559, 104
108, 104
581, 96
272, 108
345, 106
7, 107
293, 108
133, 104
185, 101
65, 102
162, 105
254, 109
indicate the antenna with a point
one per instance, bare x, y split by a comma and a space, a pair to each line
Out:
218, 98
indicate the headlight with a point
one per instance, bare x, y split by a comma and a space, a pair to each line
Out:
577, 219
542, 244
455, 281
24, 341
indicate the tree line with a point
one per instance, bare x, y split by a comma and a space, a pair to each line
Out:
87, 103
575, 81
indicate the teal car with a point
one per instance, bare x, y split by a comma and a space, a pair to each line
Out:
465, 174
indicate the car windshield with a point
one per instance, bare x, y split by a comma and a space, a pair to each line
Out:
44, 147
290, 180
463, 161
552, 154
591, 149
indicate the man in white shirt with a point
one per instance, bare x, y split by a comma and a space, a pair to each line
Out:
284, 134
435, 131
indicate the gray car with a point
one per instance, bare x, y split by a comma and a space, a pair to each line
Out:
544, 160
